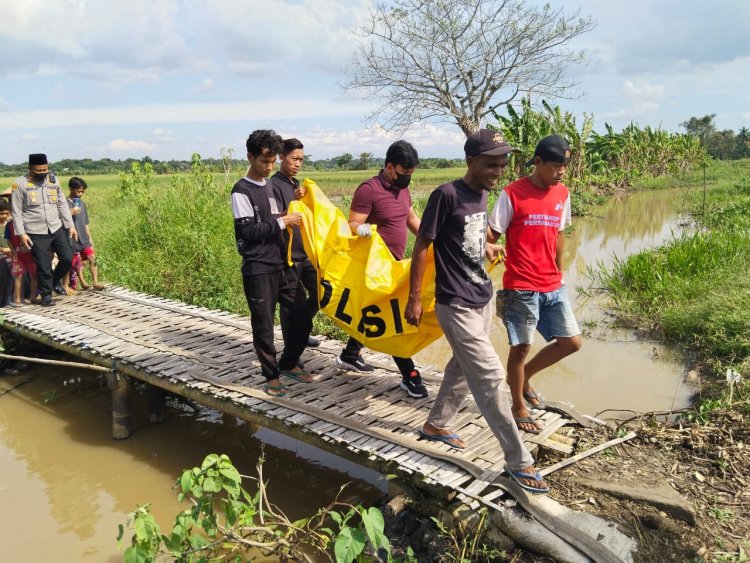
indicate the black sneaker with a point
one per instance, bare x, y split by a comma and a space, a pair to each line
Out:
413, 385
312, 342
60, 290
354, 364
47, 301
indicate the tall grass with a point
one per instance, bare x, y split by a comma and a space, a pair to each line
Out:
694, 290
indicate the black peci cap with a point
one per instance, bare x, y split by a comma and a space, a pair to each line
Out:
37, 158
551, 149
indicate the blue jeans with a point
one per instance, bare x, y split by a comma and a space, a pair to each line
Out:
525, 312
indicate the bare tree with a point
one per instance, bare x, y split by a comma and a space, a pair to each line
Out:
458, 60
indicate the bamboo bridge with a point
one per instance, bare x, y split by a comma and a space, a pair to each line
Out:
207, 356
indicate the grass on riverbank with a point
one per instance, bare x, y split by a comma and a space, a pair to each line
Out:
694, 290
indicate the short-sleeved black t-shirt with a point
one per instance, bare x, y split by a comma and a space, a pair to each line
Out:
455, 219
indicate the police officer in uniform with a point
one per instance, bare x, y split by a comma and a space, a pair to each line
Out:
42, 220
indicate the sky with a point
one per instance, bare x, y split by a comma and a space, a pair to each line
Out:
166, 78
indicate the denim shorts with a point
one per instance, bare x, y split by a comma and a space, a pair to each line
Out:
524, 312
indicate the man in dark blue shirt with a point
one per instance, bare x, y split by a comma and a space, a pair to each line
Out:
455, 223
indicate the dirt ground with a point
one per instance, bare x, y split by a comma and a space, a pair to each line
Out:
707, 462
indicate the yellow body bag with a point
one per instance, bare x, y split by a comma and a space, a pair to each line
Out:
361, 287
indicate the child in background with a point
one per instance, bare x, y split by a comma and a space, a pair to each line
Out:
83, 248
21, 263
6, 258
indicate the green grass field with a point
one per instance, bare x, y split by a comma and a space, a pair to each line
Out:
335, 184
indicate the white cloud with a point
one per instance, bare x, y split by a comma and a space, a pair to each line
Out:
636, 112
123, 33
162, 134
206, 85
180, 113
4, 106
29, 137
168, 36
643, 89
121, 145
429, 139
746, 116
314, 34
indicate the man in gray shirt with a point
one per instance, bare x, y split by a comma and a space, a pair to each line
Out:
41, 218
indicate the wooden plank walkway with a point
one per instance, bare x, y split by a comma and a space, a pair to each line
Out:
208, 356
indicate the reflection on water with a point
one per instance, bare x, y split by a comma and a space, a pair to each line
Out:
67, 485
614, 370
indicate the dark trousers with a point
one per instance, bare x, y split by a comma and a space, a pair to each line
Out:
263, 291
308, 275
354, 347
7, 282
59, 242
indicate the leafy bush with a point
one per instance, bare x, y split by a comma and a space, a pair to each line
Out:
226, 522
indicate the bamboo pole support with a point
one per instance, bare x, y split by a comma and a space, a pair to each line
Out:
54, 362
121, 418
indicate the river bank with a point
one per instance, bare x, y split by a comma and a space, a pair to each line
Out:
691, 292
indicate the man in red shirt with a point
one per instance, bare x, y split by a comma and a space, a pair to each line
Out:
385, 201
532, 213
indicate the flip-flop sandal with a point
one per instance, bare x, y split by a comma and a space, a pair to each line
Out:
532, 395
275, 390
527, 420
518, 475
444, 438
301, 376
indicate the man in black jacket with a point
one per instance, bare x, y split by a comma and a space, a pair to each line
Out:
259, 223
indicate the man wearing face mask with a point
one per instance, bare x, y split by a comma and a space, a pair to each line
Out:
42, 221
385, 201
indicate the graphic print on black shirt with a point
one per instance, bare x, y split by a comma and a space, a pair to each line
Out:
475, 235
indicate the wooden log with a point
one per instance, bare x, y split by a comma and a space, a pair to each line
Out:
587, 453
121, 419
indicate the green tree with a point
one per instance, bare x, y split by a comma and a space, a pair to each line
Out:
364, 159
344, 160
721, 144
458, 60
701, 127
742, 143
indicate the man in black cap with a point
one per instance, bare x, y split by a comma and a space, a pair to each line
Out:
42, 221
532, 213
455, 222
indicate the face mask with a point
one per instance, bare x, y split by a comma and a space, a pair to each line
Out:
402, 180
39, 177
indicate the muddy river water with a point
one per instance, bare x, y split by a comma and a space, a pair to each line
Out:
66, 485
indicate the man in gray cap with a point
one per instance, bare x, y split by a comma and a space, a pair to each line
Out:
42, 221
455, 222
